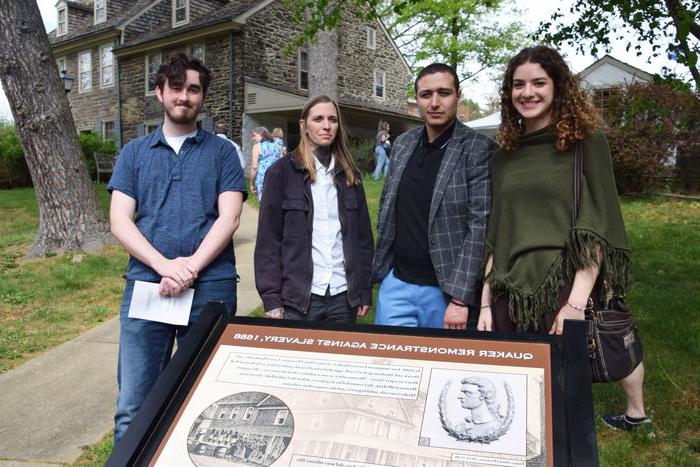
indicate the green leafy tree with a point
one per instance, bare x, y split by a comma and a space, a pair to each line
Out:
649, 126
474, 109
596, 23
466, 34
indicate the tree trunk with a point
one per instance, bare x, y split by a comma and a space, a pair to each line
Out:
70, 215
323, 65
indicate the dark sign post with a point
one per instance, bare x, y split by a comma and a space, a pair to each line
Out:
268, 392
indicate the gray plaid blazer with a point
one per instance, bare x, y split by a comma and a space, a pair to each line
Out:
458, 214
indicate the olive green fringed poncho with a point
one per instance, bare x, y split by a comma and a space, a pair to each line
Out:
535, 250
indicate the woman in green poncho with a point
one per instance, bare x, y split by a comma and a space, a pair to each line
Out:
540, 270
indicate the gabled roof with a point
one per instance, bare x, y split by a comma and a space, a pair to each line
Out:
609, 60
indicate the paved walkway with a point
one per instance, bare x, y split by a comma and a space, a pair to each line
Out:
59, 402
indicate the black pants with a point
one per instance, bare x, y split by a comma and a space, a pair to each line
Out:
335, 308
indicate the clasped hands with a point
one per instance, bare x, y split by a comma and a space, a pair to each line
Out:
177, 275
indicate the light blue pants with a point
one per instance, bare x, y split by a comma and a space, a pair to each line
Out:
145, 347
382, 164
402, 304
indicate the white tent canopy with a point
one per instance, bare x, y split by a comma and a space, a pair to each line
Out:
487, 125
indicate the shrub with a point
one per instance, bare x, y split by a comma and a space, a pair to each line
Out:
90, 143
14, 172
653, 130
362, 151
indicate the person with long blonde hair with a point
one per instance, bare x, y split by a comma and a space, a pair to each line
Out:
541, 270
314, 246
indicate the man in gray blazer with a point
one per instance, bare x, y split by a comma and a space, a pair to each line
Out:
433, 213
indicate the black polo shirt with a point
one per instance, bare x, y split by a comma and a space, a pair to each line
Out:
412, 261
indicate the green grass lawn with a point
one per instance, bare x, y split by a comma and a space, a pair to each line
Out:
44, 302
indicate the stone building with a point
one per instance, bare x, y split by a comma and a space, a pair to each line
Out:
114, 47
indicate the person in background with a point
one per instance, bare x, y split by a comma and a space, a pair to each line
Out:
278, 136
387, 143
540, 270
313, 253
381, 156
220, 131
265, 153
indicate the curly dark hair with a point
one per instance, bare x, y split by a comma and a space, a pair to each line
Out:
573, 116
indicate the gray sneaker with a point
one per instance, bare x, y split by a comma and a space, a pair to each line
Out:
623, 423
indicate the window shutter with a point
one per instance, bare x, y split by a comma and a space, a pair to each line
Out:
141, 130
98, 127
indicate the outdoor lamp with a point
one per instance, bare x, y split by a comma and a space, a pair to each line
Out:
67, 80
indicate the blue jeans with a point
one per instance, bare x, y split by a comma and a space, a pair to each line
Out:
402, 304
382, 163
145, 347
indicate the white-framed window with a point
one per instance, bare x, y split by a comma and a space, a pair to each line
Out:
281, 417
84, 71
100, 11
371, 38
153, 60
61, 21
197, 51
303, 65
379, 82
248, 414
106, 66
61, 64
181, 12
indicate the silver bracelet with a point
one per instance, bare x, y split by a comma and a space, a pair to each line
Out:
577, 308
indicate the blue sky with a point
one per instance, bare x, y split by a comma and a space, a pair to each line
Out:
480, 91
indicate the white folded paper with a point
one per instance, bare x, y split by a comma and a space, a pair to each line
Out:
147, 303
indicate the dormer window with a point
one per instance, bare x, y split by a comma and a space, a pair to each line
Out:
181, 12
100, 11
62, 22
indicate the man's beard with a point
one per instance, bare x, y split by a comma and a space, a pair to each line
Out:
182, 114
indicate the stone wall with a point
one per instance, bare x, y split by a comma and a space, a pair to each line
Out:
269, 31
139, 108
96, 105
266, 35
357, 62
